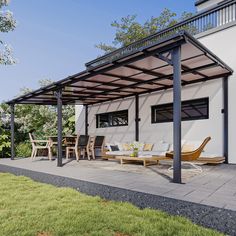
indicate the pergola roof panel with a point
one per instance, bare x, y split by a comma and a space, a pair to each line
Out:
149, 63
145, 70
166, 70
191, 77
124, 72
190, 50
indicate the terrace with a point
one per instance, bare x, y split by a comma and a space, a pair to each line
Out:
171, 62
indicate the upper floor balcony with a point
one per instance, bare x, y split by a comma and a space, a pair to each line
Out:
215, 18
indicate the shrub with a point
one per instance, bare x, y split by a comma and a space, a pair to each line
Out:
23, 149
5, 143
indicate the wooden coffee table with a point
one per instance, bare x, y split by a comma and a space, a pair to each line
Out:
146, 160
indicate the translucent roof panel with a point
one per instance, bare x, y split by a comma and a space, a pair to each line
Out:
145, 70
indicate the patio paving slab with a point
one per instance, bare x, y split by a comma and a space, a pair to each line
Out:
216, 186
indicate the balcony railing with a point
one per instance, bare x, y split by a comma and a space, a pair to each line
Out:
222, 14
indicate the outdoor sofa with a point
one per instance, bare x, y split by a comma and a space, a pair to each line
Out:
192, 151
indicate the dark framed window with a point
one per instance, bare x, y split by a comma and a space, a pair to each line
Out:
197, 109
112, 119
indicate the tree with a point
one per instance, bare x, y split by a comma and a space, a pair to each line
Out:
4, 132
129, 30
7, 24
42, 119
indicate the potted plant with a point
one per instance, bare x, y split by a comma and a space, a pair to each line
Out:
135, 148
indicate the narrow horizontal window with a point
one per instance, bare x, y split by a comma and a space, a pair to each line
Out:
196, 109
112, 119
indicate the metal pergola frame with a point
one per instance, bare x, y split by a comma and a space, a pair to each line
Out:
159, 66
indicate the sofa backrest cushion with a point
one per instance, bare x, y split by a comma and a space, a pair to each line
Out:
161, 146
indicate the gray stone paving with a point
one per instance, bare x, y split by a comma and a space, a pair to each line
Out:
216, 186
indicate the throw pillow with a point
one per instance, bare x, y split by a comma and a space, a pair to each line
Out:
126, 147
148, 147
114, 148
120, 146
108, 146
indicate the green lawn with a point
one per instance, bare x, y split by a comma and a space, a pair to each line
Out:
31, 208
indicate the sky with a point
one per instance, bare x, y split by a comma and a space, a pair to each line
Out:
55, 38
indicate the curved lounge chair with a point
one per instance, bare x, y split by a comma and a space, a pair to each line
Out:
191, 156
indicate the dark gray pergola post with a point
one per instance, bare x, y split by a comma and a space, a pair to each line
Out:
176, 60
59, 127
86, 120
226, 118
12, 131
137, 118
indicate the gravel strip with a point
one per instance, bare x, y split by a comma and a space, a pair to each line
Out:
211, 217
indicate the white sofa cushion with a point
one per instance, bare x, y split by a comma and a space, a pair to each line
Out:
142, 153
119, 153
153, 153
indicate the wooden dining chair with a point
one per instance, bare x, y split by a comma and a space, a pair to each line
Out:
72, 147
83, 146
38, 145
96, 143
90, 148
80, 147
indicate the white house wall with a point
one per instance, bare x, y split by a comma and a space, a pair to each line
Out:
222, 43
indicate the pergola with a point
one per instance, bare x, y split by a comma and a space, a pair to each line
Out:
143, 67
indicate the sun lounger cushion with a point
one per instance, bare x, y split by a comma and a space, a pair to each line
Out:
209, 155
191, 146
